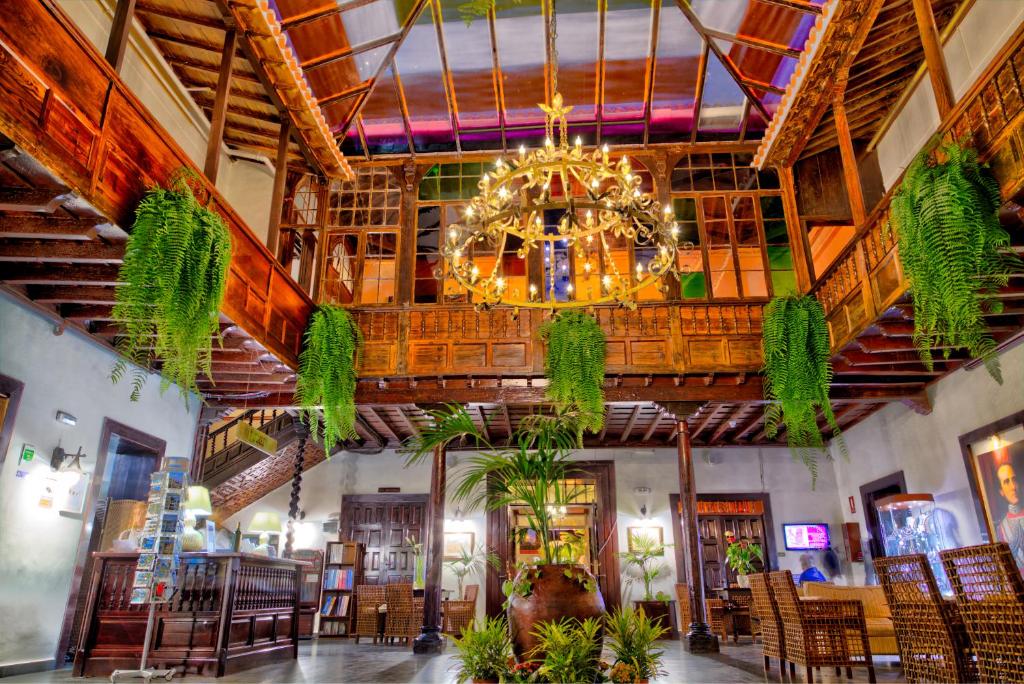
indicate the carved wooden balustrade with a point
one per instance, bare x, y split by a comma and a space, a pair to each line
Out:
231, 611
866, 278
225, 456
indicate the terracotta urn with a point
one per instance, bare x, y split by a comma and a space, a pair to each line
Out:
552, 596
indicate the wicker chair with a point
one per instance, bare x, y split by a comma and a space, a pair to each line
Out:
821, 633
685, 614
458, 614
402, 621
715, 609
933, 641
369, 598
990, 597
742, 615
773, 641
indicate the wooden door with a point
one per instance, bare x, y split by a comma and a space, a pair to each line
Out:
388, 524
713, 551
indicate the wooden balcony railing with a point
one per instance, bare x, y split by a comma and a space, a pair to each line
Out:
224, 456
866, 278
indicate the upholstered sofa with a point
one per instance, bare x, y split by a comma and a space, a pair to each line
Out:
881, 632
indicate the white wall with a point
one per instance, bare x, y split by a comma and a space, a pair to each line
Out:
969, 50
734, 470
926, 447
37, 545
246, 185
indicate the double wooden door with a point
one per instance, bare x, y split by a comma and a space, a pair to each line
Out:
390, 525
713, 533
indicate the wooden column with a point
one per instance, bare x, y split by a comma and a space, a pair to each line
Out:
117, 43
429, 640
293, 502
700, 638
795, 230
851, 176
934, 57
220, 106
277, 198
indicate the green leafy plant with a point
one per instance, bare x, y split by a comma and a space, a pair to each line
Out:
173, 276
471, 562
533, 470
477, 9
483, 651
740, 556
520, 583
797, 374
631, 637
572, 650
326, 385
574, 366
953, 251
644, 558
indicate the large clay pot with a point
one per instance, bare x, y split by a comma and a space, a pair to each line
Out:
553, 596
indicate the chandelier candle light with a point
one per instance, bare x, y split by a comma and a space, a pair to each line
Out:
597, 200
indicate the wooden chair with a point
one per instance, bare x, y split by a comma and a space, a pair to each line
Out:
822, 632
990, 597
741, 616
933, 641
773, 640
402, 621
715, 608
459, 613
685, 614
369, 598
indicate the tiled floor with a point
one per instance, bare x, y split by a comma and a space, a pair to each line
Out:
343, 661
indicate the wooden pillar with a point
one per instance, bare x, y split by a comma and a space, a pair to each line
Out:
851, 176
429, 640
117, 43
933, 57
277, 198
699, 639
795, 230
293, 503
220, 106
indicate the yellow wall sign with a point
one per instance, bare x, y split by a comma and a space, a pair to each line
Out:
247, 434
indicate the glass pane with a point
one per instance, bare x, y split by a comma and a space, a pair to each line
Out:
752, 272
827, 243
382, 119
428, 258
723, 273
379, 268
418, 65
470, 62
694, 286
626, 44
722, 104
675, 75
557, 274
430, 187
577, 57
340, 268
783, 282
520, 37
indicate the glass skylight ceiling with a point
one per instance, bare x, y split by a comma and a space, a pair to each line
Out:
395, 76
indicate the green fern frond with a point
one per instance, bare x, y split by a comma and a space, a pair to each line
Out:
327, 375
574, 366
797, 374
954, 253
174, 274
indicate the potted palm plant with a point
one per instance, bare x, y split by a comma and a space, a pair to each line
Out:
643, 560
533, 470
470, 562
631, 637
741, 556
483, 652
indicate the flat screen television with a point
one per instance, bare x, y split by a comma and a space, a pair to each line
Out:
806, 536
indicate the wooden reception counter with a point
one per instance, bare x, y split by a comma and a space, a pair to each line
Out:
231, 611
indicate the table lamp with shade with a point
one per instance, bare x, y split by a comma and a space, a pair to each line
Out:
197, 503
265, 523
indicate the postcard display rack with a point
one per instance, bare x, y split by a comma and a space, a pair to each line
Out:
156, 575
343, 572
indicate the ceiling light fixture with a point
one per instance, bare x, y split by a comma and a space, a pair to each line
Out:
597, 203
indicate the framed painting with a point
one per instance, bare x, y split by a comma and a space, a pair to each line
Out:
457, 542
994, 458
656, 534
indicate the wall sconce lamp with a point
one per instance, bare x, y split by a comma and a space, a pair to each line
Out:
66, 418
643, 495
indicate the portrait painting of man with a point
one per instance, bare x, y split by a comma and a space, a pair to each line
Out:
999, 469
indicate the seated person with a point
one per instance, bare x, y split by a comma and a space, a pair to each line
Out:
810, 573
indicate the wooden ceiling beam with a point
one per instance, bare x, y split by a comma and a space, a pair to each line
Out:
65, 251
32, 199
25, 273
408, 422
628, 429
117, 42
712, 411
177, 15
795, 5
238, 110
192, 63
64, 294
218, 115
48, 227
87, 312
747, 427
187, 41
348, 52
653, 427
728, 423
322, 13
752, 42
934, 57
387, 428
483, 423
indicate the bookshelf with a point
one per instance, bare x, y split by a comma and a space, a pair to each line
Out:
343, 572
310, 585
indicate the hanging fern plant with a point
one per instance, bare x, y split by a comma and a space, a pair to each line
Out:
326, 386
173, 276
797, 376
574, 366
954, 253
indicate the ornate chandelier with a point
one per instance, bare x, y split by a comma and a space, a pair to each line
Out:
560, 201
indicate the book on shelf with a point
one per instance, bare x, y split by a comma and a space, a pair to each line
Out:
342, 554
339, 578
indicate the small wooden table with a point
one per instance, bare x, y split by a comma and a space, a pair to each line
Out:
738, 602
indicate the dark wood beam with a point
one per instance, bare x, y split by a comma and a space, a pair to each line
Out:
934, 58
24, 273
187, 41
727, 423
851, 176
708, 417
178, 15
628, 429
31, 199
220, 107
745, 429
87, 312
66, 251
117, 43
209, 67
48, 227
653, 427
277, 196
64, 294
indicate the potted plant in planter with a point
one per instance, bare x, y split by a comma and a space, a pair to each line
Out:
470, 562
631, 637
571, 650
483, 652
644, 558
533, 471
740, 556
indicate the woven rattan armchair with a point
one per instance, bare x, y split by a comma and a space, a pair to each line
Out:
764, 609
458, 614
715, 609
821, 632
685, 614
369, 598
402, 621
933, 641
990, 597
